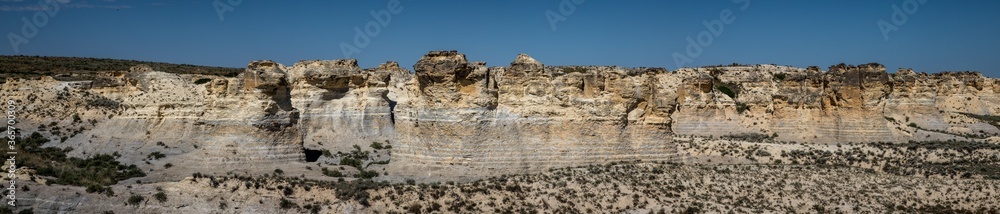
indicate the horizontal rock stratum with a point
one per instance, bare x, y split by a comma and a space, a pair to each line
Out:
459, 119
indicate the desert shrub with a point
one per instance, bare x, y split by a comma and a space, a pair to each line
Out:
415, 208
366, 174
97, 170
726, 90
750, 137
358, 154
160, 196
991, 119
351, 162
155, 156
202, 81
376, 145
286, 204
332, 173
741, 107
574, 70
357, 190
380, 162
134, 199
779, 76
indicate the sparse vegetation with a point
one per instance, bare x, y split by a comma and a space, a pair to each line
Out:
155, 156
574, 69
134, 199
726, 90
780, 76
202, 81
160, 196
990, 119
376, 145
87, 68
741, 107
286, 204
332, 173
95, 171
349, 161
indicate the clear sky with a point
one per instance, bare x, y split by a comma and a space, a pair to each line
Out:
935, 36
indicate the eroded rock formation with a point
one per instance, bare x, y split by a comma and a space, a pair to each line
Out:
461, 119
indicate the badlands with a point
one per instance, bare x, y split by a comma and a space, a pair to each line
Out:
454, 136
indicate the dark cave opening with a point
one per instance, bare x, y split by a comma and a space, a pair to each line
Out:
392, 112
312, 155
392, 108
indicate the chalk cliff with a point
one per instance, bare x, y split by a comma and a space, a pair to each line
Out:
460, 119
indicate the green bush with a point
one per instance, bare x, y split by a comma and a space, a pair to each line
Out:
155, 156
333, 173
134, 200
286, 204
202, 81
160, 196
351, 162
357, 190
94, 172
741, 107
366, 174
726, 90
376, 145
779, 76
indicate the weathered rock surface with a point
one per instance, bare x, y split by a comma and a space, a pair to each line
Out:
463, 118
451, 116
452, 119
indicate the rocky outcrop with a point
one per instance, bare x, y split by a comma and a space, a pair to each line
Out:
233, 122
465, 119
459, 119
343, 105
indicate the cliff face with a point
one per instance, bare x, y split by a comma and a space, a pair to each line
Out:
461, 119
234, 122
342, 104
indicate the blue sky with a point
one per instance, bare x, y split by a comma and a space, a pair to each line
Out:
936, 36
